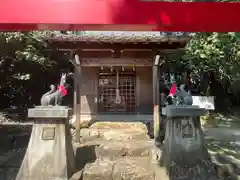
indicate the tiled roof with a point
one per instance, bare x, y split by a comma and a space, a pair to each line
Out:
120, 37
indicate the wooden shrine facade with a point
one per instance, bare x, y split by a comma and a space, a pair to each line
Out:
114, 71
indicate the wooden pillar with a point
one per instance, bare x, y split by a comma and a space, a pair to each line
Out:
156, 97
75, 90
77, 95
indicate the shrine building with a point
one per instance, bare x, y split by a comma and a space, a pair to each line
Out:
114, 71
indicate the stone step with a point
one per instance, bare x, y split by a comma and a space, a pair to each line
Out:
90, 134
123, 135
120, 125
120, 169
117, 149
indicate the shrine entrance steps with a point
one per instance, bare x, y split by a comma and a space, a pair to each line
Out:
124, 151
117, 151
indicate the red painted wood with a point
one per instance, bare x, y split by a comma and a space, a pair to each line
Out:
89, 14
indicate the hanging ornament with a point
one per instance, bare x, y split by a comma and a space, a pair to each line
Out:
118, 97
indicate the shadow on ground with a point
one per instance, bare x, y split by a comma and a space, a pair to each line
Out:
14, 141
226, 154
227, 120
85, 154
14, 136
220, 160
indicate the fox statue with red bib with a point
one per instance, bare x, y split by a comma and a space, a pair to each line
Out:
54, 97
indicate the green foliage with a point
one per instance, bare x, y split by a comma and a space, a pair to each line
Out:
26, 68
215, 51
218, 53
16, 49
23, 46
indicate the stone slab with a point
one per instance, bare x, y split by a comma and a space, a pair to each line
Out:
120, 125
122, 135
120, 169
182, 111
118, 149
112, 134
53, 112
99, 170
77, 175
86, 134
87, 119
133, 169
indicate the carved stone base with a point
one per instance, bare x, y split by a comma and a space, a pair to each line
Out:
184, 153
50, 152
183, 135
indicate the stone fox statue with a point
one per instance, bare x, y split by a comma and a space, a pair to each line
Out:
54, 97
179, 96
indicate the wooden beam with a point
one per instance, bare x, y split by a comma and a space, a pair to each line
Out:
77, 95
162, 51
120, 46
74, 82
75, 91
93, 50
156, 96
109, 62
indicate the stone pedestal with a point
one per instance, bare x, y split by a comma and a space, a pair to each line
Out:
50, 154
183, 132
182, 136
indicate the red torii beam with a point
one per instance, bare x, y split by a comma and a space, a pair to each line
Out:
118, 15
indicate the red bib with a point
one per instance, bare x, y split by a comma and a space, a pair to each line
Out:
173, 90
63, 90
